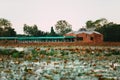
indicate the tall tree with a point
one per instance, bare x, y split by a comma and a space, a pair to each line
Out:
33, 31
52, 32
4, 23
30, 30
96, 24
89, 24
62, 27
110, 31
8, 32
5, 28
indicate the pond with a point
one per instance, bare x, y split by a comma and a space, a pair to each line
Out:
62, 63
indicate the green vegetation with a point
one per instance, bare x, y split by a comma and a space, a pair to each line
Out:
5, 28
33, 31
34, 53
12, 52
53, 33
97, 23
99, 63
62, 27
109, 30
112, 52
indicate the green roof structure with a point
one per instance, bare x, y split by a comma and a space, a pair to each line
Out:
8, 38
35, 38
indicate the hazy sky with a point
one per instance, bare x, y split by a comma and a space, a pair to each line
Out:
45, 13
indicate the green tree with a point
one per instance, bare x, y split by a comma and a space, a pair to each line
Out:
110, 31
5, 28
42, 33
8, 32
33, 31
62, 27
4, 23
30, 30
52, 32
96, 24
1, 31
89, 24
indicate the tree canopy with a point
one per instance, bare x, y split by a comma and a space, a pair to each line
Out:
33, 31
62, 27
30, 30
5, 23
110, 31
52, 32
5, 28
96, 24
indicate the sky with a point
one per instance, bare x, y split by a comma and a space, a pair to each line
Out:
45, 13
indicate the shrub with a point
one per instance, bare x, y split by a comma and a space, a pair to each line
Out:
42, 52
64, 53
16, 55
6, 52
21, 54
107, 54
115, 52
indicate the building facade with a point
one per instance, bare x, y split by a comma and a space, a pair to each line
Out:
84, 35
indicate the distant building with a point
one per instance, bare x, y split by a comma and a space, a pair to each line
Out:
84, 35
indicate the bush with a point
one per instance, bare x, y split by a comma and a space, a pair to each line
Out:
97, 54
43, 52
64, 53
18, 54
21, 54
4, 52
15, 55
115, 52
108, 54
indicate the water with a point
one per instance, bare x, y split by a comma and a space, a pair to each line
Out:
69, 67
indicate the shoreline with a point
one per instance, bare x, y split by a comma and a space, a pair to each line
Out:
54, 44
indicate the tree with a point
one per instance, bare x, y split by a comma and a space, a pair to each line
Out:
96, 24
30, 30
4, 23
1, 31
52, 32
33, 31
5, 28
42, 33
110, 31
89, 24
8, 32
62, 27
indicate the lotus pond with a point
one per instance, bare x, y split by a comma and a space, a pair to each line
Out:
60, 63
